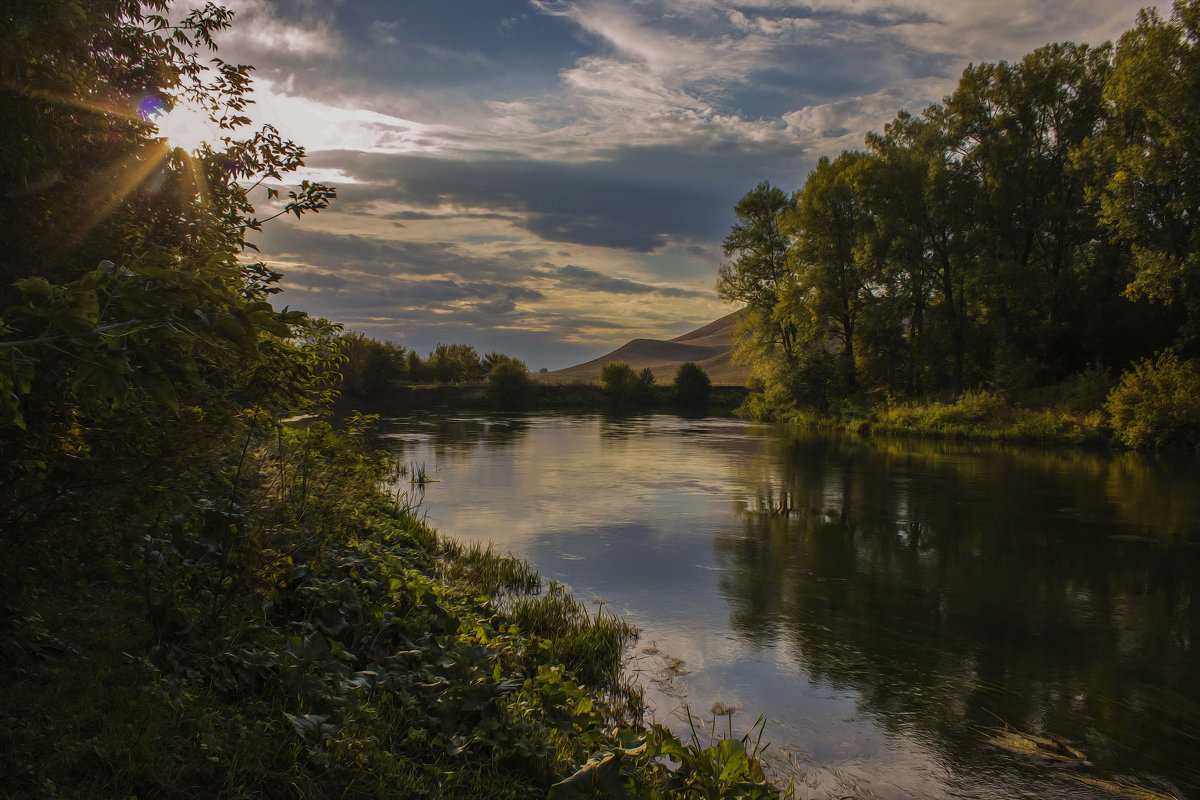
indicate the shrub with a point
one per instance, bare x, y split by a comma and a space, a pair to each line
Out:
644, 390
1157, 403
509, 383
692, 385
619, 382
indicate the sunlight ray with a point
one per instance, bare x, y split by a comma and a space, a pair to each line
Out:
111, 186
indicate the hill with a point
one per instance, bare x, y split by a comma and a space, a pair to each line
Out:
710, 346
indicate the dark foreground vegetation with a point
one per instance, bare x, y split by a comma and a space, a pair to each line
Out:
1035, 233
198, 600
298, 632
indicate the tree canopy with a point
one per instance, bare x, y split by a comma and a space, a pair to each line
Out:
1038, 222
137, 336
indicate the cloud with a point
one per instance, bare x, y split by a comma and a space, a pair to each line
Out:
576, 277
302, 31
486, 149
637, 199
389, 258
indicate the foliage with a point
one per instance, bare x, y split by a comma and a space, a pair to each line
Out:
509, 383
619, 382
691, 386
1151, 195
1157, 403
454, 363
722, 768
1039, 222
138, 350
371, 367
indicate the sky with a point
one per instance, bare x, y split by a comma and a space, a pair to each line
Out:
552, 178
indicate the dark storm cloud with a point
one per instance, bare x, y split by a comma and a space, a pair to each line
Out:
637, 200
575, 277
384, 258
413, 216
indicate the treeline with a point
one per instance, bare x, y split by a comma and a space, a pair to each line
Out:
372, 367
1037, 225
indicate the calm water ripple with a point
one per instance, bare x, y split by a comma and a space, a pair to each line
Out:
890, 607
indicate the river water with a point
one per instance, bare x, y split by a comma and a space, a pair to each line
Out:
890, 608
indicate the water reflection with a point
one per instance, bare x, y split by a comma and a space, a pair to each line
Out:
886, 604
444, 437
958, 590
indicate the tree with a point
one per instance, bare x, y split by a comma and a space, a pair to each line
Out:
1152, 195
691, 385
760, 273
508, 382
835, 271
619, 382
645, 386
371, 366
416, 369
454, 363
922, 227
138, 350
1014, 132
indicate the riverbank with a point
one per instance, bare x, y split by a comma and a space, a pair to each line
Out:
982, 417
542, 396
317, 639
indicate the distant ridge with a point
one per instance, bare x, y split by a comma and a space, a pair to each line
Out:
710, 346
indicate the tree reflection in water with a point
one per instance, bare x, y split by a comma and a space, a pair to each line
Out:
959, 589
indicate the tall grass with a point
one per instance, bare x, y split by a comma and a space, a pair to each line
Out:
591, 646
976, 416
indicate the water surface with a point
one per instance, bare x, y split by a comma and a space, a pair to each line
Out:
889, 607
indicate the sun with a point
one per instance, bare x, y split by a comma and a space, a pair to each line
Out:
183, 126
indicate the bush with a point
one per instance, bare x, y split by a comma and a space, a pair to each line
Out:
619, 382
692, 385
509, 383
1157, 403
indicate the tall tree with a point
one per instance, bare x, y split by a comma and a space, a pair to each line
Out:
925, 217
1014, 130
835, 269
759, 274
1152, 196
136, 344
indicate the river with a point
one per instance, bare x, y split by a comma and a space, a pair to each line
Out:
901, 614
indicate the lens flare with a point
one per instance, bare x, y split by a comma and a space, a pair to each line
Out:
182, 125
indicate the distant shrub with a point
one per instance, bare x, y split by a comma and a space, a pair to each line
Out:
619, 382
691, 386
644, 391
509, 383
1157, 403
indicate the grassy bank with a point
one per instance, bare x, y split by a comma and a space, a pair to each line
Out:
975, 417
301, 633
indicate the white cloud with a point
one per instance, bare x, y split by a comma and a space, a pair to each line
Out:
258, 28
320, 125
